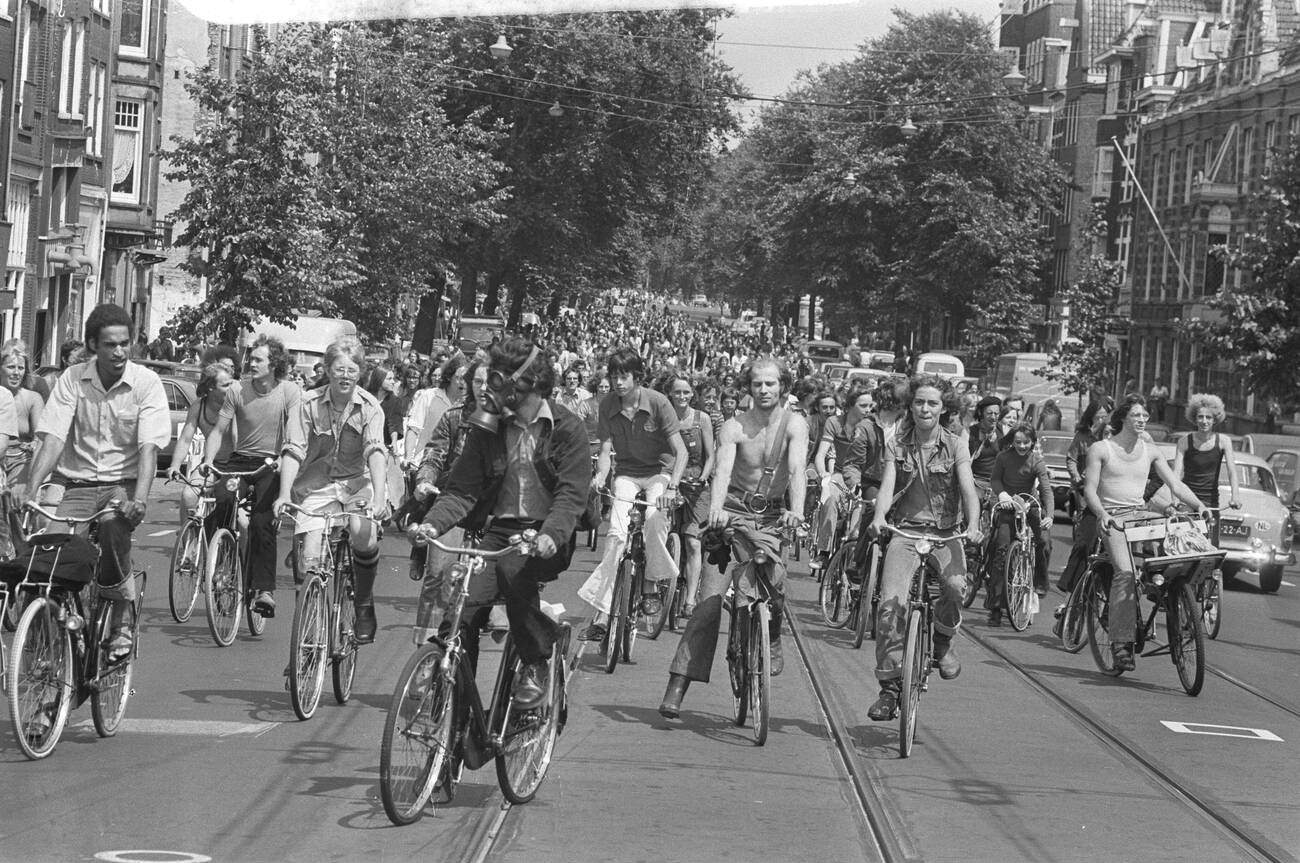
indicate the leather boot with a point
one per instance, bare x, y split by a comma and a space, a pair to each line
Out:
671, 707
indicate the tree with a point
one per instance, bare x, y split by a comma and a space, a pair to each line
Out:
1081, 363
328, 177
1258, 331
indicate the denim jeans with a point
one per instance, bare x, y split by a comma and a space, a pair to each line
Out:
901, 561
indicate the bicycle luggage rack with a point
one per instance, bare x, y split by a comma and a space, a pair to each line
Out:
1195, 567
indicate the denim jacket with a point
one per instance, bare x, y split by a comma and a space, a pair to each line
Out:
942, 489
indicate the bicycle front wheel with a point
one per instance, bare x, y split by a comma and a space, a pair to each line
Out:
528, 736
416, 746
667, 590
916, 667
738, 660
111, 687
1186, 637
187, 571
835, 595
1097, 593
225, 588
617, 617
635, 593
974, 575
1074, 617
309, 646
256, 622
1019, 585
343, 620
760, 665
40, 679
865, 616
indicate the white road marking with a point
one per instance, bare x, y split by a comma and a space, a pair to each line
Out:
195, 727
163, 532
142, 856
1221, 730
1287, 583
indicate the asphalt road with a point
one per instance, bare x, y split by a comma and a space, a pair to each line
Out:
213, 764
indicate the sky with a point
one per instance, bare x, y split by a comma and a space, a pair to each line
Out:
833, 33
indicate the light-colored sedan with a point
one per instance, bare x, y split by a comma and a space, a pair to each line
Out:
1258, 536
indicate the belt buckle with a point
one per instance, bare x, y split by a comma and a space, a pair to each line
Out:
757, 503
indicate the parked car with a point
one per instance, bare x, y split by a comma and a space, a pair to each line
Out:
1160, 433
1053, 446
1264, 445
835, 372
883, 360
944, 365
180, 395
823, 352
1285, 464
164, 368
1258, 536
700, 301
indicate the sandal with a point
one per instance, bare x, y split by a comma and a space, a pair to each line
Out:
118, 648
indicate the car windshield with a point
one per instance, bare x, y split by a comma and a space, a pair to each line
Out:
824, 352
936, 367
1054, 445
1252, 476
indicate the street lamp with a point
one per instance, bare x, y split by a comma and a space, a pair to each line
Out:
908, 128
556, 109
1015, 78
501, 49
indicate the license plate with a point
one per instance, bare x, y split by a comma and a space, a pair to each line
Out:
1234, 528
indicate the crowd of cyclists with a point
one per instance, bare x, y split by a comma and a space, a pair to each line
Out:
542, 430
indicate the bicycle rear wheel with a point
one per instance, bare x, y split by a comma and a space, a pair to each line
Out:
1186, 637
974, 574
1074, 618
760, 667
865, 617
224, 586
1212, 604
916, 667
617, 620
110, 688
667, 591
309, 646
1019, 585
1097, 593
835, 594
187, 570
416, 746
40, 679
343, 642
738, 660
528, 736
256, 622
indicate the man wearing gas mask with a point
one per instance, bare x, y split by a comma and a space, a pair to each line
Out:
526, 465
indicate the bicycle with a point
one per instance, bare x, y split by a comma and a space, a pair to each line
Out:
866, 593
1209, 593
918, 644
837, 593
625, 614
1167, 580
59, 655
977, 554
226, 582
672, 594
189, 556
812, 503
1018, 563
749, 645
436, 724
324, 618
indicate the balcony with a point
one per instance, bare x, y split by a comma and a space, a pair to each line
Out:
1209, 192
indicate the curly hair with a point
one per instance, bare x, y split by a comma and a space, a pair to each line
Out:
1205, 401
949, 398
447, 371
107, 315
276, 355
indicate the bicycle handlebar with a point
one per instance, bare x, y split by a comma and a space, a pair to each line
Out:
522, 543
218, 473
114, 506
924, 537
360, 510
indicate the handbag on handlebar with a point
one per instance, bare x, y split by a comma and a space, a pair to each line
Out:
1183, 537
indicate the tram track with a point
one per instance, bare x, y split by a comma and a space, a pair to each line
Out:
1248, 841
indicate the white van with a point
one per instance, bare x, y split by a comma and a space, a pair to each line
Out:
305, 339
944, 365
1014, 374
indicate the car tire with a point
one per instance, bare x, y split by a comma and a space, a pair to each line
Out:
1270, 578
1229, 571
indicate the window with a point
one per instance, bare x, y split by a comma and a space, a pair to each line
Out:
1035, 55
1189, 173
1103, 173
65, 69
1124, 244
135, 28
1155, 180
1246, 174
101, 6
1215, 271
95, 110
1292, 127
128, 128
1173, 178
1126, 182
18, 212
176, 398
78, 67
1270, 142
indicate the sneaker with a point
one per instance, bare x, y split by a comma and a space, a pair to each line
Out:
946, 658
264, 603
1123, 653
595, 632
778, 658
886, 706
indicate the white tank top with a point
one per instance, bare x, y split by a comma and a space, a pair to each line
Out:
1123, 476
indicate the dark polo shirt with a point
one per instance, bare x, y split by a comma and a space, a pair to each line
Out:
641, 439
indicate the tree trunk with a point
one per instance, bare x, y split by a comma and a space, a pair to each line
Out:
468, 290
812, 316
516, 306
553, 308
493, 290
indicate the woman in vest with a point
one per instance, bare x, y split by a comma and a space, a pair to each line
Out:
693, 492
1202, 454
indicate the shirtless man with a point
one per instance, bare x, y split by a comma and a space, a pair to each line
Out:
748, 489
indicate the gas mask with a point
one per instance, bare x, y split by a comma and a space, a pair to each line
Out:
502, 395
